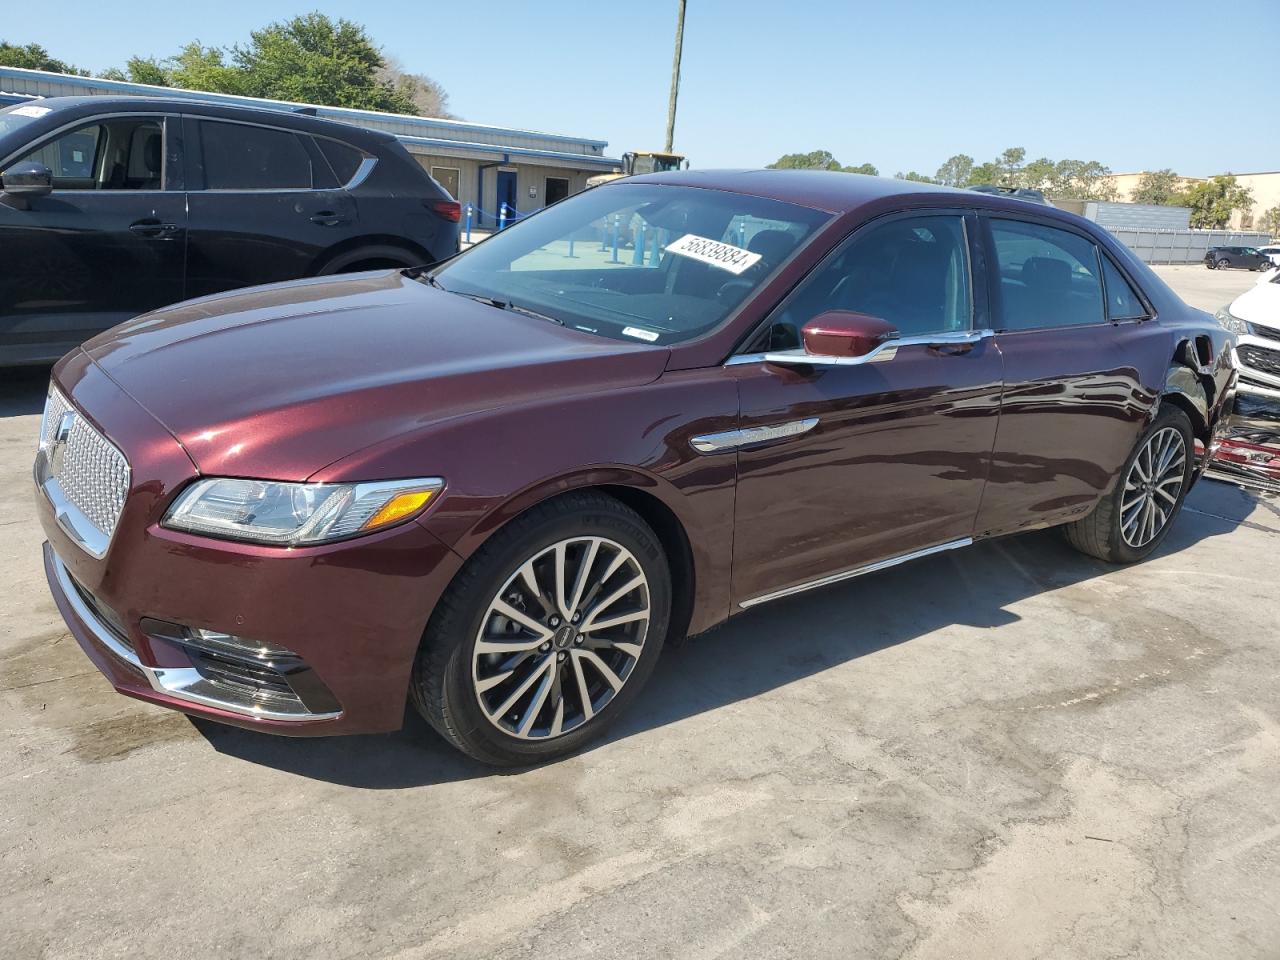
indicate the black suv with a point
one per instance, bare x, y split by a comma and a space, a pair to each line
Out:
113, 206
1250, 258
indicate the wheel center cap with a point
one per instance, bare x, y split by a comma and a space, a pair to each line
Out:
565, 636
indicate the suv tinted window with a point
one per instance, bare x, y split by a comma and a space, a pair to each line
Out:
1123, 302
123, 153
344, 159
913, 272
1048, 277
238, 156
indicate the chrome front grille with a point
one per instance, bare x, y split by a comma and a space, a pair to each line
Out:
84, 475
1260, 358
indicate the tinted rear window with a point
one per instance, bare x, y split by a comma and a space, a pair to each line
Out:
344, 159
1048, 277
242, 157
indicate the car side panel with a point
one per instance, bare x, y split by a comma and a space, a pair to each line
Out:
502, 461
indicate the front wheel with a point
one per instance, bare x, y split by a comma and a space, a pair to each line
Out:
1224, 263
1130, 522
547, 634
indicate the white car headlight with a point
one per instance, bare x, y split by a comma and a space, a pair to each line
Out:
297, 514
1231, 322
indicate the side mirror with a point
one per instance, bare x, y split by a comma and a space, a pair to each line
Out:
25, 181
840, 338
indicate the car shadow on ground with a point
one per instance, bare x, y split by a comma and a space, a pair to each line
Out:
759, 651
22, 390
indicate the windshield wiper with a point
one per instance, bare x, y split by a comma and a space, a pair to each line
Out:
532, 313
487, 301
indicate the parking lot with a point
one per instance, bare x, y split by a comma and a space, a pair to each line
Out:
1008, 751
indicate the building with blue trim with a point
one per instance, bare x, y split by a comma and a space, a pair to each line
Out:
479, 164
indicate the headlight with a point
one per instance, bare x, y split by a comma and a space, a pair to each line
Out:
297, 514
1231, 322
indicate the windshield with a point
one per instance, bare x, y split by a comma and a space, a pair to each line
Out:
19, 115
659, 264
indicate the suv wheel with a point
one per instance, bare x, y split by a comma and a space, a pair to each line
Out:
547, 634
1131, 521
1224, 263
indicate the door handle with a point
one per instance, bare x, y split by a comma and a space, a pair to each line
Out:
327, 218
153, 228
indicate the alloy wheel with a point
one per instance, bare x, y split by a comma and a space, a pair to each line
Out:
561, 638
1152, 487
1224, 263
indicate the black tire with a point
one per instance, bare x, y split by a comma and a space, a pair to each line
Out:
1099, 534
1210, 265
442, 684
382, 257
1224, 264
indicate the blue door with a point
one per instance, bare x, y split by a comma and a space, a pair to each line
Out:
506, 192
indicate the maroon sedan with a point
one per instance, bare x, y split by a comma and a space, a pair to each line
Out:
498, 487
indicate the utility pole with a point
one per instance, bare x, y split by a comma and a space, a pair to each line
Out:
675, 78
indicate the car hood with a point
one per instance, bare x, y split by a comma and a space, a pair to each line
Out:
1260, 305
280, 381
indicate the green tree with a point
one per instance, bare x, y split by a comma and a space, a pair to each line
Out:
984, 174
1081, 180
913, 176
1270, 221
1213, 201
1037, 174
34, 57
868, 168
1158, 186
955, 172
309, 59
813, 160
1009, 164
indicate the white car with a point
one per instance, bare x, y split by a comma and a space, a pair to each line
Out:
1272, 251
1254, 317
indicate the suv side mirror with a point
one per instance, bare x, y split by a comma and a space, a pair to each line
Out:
839, 338
27, 180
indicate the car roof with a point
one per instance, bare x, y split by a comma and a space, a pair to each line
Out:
838, 192
73, 107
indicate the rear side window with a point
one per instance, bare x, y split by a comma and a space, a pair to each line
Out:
1048, 277
344, 159
1123, 302
242, 157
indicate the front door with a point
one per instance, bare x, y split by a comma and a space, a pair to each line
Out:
506, 193
262, 207
106, 245
877, 461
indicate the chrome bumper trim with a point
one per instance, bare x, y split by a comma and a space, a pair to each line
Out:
856, 572
181, 683
70, 518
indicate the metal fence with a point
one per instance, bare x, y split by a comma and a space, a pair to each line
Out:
1183, 246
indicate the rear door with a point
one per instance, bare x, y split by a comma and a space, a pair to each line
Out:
264, 205
1080, 372
854, 465
106, 245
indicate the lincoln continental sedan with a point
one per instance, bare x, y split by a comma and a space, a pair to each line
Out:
496, 488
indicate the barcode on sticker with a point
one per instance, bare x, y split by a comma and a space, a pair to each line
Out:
717, 254
639, 334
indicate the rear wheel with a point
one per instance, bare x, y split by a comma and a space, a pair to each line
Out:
1131, 521
383, 257
547, 634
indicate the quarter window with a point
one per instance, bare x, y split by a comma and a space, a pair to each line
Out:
913, 272
242, 157
1048, 277
1123, 302
344, 159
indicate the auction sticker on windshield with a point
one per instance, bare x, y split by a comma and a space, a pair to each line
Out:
717, 254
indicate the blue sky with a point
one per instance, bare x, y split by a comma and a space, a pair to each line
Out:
903, 85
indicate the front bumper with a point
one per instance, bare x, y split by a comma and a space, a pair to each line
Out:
353, 613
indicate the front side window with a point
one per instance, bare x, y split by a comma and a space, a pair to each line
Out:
237, 156
1048, 277
631, 261
121, 153
912, 272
